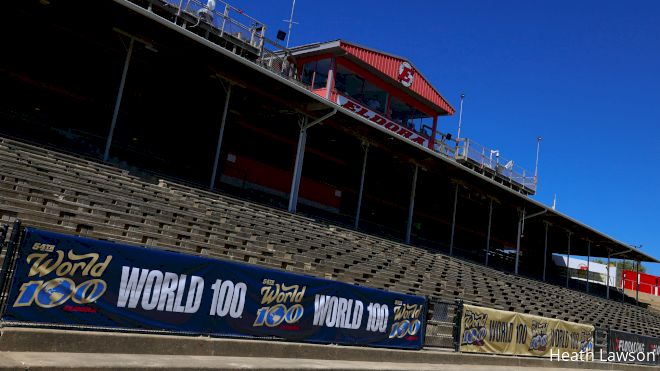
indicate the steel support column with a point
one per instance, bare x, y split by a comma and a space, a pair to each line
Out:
297, 168
520, 227
434, 129
300, 154
637, 284
608, 274
623, 281
411, 207
545, 249
453, 222
588, 262
120, 93
330, 83
365, 147
490, 219
568, 260
220, 135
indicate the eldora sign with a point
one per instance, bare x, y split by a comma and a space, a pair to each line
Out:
380, 120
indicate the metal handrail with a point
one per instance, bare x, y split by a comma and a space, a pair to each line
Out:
491, 160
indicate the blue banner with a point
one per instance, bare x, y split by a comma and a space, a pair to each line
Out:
67, 280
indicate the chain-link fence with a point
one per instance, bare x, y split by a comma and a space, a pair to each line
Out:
442, 324
601, 340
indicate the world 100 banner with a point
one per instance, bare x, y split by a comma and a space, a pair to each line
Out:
64, 280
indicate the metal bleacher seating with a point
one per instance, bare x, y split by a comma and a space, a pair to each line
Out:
65, 193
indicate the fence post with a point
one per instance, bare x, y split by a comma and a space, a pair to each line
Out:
3, 234
6, 264
458, 316
426, 316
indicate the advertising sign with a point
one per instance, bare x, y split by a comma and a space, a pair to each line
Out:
625, 347
66, 280
485, 330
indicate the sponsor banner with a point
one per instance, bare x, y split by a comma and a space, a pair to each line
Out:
381, 120
66, 280
485, 330
624, 347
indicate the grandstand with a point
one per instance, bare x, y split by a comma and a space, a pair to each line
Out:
432, 217
63, 193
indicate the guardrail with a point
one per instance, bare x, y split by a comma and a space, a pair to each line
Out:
230, 21
490, 160
644, 287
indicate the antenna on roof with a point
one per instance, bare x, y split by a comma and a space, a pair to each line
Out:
291, 23
460, 117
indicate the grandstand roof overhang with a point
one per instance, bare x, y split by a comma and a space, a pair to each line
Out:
389, 68
253, 73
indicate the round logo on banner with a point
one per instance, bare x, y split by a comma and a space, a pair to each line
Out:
406, 74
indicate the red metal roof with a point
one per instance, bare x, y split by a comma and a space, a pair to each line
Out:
389, 65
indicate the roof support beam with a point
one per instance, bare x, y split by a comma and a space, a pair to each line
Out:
521, 225
490, 219
120, 94
216, 159
453, 222
411, 207
568, 261
300, 154
588, 262
365, 148
607, 294
545, 249
637, 284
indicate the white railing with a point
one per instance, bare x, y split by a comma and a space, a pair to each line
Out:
225, 19
491, 161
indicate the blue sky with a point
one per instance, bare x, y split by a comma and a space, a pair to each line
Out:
584, 75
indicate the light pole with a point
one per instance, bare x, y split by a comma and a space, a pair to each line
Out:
460, 117
538, 151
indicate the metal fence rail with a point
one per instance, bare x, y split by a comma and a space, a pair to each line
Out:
490, 160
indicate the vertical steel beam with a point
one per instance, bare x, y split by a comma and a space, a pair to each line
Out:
588, 262
297, 168
520, 231
453, 222
120, 94
365, 147
433, 132
490, 219
608, 274
545, 249
220, 135
568, 260
330, 83
637, 285
411, 207
623, 280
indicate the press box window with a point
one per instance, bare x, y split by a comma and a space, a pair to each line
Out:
316, 73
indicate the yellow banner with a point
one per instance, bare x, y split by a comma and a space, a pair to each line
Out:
485, 330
